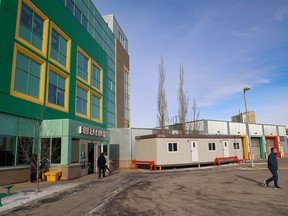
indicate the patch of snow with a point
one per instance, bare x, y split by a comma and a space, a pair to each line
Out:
27, 196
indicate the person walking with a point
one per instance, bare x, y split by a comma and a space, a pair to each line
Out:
273, 168
101, 164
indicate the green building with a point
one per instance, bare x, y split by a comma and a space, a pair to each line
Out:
57, 86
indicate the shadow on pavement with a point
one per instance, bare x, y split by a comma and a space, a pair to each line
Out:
260, 184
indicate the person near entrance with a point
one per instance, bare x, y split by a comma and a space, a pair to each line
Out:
106, 167
273, 167
101, 164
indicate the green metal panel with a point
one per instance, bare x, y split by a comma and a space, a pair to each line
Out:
57, 13
262, 147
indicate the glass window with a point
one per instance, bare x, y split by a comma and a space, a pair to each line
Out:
84, 22
70, 5
82, 66
78, 14
56, 151
172, 147
51, 150
95, 107
56, 91
82, 101
236, 146
25, 149
7, 150
211, 146
31, 27
96, 77
27, 76
58, 50
75, 151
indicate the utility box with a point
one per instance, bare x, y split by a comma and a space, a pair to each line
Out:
53, 176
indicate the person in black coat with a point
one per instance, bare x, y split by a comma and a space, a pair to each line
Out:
101, 164
273, 167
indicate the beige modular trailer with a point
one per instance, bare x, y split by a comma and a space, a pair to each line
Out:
168, 150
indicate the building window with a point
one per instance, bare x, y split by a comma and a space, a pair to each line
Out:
70, 5
236, 146
51, 150
25, 150
97, 77
31, 27
75, 151
56, 89
82, 101
96, 108
172, 147
82, 66
7, 150
60, 47
27, 76
212, 146
126, 99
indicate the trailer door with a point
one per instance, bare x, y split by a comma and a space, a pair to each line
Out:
225, 149
194, 151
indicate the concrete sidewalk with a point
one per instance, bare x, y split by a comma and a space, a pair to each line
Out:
23, 193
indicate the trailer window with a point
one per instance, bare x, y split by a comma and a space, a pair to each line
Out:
212, 146
172, 147
236, 146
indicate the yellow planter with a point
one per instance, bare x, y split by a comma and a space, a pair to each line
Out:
53, 176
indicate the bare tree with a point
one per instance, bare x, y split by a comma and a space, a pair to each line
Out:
161, 98
195, 118
183, 102
39, 151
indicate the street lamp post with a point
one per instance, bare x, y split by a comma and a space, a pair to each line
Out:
247, 126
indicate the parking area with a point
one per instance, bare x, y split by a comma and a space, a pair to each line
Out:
226, 190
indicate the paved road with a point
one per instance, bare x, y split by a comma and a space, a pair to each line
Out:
226, 190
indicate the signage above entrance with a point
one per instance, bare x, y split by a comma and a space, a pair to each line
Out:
91, 132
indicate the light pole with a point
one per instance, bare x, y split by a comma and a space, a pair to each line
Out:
247, 126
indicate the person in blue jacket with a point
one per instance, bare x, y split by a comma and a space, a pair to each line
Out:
273, 167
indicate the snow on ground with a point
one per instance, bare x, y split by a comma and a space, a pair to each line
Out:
26, 196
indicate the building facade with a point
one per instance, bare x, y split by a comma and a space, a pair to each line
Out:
122, 73
241, 117
57, 86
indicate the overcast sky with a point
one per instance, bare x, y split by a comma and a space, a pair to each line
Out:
224, 45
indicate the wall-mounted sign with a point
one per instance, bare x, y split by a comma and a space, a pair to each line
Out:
91, 132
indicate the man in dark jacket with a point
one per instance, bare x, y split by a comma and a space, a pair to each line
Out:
101, 164
273, 167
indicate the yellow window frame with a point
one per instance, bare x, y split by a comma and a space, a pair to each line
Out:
40, 100
68, 51
89, 66
101, 76
101, 107
66, 102
79, 84
42, 52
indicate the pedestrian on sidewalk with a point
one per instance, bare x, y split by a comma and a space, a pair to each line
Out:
273, 168
106, 157
101, 164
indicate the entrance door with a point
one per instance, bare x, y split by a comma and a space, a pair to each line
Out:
194, 151
255, 143
91, 160
84, 158
225, 149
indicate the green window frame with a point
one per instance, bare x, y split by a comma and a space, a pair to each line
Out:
82, 66
96, 107
27, 76
82, 101
31, 26
58, 49
56, 89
